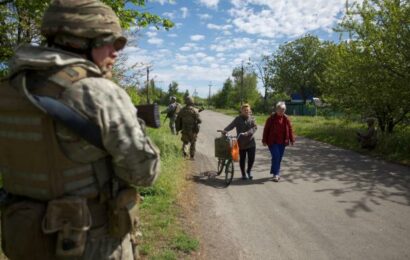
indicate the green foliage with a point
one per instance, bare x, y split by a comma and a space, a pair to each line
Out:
186, 94
132, 92
223, 98
130, 17
167, 254
297, 67
155, 94
370, 73
21, 22
245, 87
173, 91
185, 243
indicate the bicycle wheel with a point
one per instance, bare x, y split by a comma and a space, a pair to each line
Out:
229, 172
221, 164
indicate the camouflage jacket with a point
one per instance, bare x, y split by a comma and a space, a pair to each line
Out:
188, 120
106, 104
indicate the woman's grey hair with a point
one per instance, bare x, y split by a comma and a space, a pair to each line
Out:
281, 104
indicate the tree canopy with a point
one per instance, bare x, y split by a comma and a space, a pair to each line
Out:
297, 66
370, 72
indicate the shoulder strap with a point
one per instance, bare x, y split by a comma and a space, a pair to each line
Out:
67, 76
59, 111
71, 119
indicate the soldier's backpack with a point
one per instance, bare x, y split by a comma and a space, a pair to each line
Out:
175, 111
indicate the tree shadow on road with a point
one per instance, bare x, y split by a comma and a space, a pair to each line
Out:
375, 181
240, 182
208, 178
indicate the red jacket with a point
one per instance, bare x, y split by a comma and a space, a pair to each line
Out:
273, 134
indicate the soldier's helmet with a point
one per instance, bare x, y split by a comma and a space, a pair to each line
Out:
172, 99
82, 25
189, 100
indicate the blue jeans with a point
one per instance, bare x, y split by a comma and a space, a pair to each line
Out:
276, 150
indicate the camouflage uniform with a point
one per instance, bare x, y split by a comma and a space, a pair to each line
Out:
133, 158
188, 121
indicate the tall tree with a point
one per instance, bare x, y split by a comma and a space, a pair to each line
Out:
263, 74
172, 91
370, 73
223, 98
186, 94
297, 66
245, 85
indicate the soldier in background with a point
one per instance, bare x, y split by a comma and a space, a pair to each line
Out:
172, 113
71, 193
187, 122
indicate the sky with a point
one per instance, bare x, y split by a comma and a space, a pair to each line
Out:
212, 37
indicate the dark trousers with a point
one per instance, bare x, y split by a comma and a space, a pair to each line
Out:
251, 159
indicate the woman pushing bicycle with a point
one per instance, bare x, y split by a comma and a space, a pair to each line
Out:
246, 126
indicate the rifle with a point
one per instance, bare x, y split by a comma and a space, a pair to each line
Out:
149, 113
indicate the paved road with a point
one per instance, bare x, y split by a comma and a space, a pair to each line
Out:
330, 204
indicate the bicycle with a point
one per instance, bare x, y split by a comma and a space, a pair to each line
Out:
224, 155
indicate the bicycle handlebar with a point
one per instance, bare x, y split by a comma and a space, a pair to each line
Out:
224, 133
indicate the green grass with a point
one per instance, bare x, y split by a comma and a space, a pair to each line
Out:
185, 243
227, 111
164, 236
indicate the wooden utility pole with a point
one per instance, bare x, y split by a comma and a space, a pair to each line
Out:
242, 84
209, 95
148, 67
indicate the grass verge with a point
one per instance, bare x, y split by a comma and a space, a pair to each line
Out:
164, 233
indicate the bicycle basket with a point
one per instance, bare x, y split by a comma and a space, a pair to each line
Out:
222, 147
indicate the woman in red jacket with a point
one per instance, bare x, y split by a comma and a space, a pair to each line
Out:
277, 134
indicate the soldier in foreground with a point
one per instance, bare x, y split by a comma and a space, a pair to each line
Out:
172, 112
187, 122
70, 142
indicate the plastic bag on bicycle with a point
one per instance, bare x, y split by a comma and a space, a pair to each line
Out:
235, 150
226, 148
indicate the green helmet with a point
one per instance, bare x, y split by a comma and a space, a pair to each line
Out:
189, 100
82, 24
